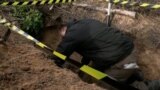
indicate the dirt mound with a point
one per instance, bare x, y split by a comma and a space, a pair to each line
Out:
144, 29
27, 68
146, 32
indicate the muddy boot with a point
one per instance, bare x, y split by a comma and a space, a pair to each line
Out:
137, 76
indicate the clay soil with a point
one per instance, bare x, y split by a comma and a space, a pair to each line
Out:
26, 67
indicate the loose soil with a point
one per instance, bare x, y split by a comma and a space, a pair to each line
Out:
26, 67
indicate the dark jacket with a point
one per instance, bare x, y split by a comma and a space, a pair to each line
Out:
94, 40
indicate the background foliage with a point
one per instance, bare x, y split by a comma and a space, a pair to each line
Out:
31, 20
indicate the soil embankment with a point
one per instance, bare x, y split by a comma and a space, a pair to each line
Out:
24, 67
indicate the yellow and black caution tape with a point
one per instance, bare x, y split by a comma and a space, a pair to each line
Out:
21, 32
34, 2
87, 69
130, 3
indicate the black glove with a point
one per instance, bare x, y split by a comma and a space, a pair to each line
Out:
57, 61
85, 61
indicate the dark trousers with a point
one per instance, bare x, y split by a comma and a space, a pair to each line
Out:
102, 65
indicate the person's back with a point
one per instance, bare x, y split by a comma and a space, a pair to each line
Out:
95, 41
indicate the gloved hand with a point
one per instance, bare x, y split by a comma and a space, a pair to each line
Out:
85, 61
59, 62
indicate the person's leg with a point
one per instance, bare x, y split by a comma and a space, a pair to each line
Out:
103, 64
136, 76
120, 74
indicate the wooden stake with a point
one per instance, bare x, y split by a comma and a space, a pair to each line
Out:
105, 10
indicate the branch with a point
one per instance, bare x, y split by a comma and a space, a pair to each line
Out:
105, 10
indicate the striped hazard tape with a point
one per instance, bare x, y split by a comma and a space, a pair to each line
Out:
144, 5
87, 69
21, 32
34, 2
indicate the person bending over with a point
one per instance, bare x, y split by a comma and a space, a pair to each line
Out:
104, 46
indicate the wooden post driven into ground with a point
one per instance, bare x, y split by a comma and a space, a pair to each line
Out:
105, 10
109, 13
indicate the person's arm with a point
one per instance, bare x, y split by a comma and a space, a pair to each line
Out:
85, 61
66, 47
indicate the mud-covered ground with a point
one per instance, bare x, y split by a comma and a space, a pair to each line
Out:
25, 67
144, 29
